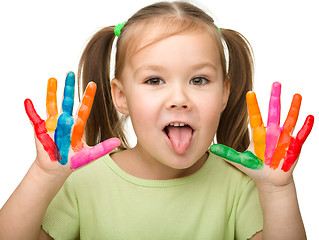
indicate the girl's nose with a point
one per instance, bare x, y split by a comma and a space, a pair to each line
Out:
178, 99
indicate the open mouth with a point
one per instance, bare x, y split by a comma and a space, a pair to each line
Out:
179, 136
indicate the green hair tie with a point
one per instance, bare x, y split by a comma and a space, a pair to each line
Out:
218, 28
118, 28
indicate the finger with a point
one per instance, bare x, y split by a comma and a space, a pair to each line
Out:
293, 113
273, 129
68, 98
274, 105
257, 125
296, 144
306, 129
62, 136
41, 132
83, 114
37, 121
285, 136
87, 154
253, 110
246, 159
51, 104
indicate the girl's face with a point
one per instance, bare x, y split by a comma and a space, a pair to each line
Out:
174, 92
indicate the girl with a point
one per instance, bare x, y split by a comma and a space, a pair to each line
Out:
173, 80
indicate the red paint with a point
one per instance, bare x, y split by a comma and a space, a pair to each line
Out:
285, 137
41, 132
296, 143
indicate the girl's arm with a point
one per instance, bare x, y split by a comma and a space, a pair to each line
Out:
272, 165
282, 218
21, 216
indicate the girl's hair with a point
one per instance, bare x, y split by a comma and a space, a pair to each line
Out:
174, 18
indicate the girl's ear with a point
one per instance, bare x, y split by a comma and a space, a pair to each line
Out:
226, 90
118, 96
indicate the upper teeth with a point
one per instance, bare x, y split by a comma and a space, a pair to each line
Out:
176, 124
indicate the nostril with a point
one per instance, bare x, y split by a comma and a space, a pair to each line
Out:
177, 106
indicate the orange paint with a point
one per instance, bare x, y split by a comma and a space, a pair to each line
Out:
83, 114
257, 125
51, 104
285, 137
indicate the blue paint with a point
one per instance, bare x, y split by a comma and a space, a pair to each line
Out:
62, 136
68, 98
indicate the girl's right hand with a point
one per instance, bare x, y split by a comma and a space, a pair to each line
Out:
68, 151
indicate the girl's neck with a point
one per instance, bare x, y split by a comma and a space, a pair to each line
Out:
136, 165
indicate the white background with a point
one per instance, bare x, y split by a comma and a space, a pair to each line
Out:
42, 39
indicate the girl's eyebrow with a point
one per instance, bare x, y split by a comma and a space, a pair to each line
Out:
197, 66
204, 65
148, 68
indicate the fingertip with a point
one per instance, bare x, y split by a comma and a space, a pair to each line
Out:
52, 84
92, 84
111, 143
297, 98
90, 89
220, 150
310, 119
250, 96
276, 84
71, 74
29, 108
276, 89
70, 79
27, 102
252, 104
215, 148
305, 129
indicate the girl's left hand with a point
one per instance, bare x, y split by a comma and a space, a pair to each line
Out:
273, 153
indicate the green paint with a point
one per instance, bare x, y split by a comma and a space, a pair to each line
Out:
247, 158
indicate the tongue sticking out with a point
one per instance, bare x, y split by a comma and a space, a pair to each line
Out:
180, 137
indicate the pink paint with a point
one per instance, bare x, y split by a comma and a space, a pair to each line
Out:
273, 125
89, 154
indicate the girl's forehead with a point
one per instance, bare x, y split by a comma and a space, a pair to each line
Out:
145, 34
181, 51
148, 34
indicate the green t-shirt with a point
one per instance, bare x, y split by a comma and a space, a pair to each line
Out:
101, 201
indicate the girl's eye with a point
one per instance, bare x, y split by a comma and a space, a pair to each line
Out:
198, 81
154, 81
